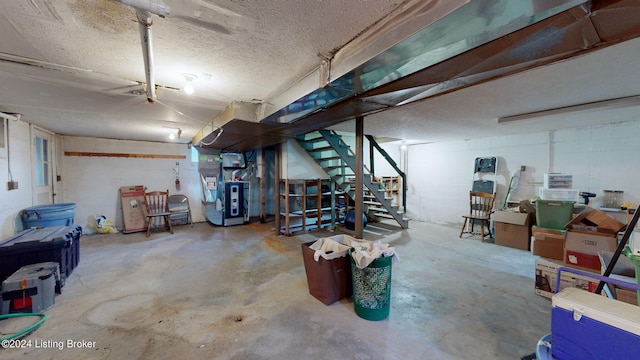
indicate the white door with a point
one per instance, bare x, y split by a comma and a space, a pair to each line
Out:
41, 165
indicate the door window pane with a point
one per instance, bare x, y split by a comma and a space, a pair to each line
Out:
42, 161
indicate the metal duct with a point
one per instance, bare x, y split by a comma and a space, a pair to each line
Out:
447, 56
469, 26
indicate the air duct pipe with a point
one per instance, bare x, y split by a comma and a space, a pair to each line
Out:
144, 9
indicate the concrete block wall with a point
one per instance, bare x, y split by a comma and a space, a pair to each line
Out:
93, 182
439, 175
599, 157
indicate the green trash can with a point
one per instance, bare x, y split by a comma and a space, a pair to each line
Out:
372, 288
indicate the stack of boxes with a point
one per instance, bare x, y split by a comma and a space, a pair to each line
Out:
576, 244
562, 240
589, 232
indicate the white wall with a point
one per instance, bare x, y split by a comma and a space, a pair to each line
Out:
599, 157
297, 164
439, 175
93, 183
18, 155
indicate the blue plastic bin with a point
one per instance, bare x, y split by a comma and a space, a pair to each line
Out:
48, 215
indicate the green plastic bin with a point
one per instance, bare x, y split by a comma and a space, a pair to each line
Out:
553, 214
636, 261
372, 288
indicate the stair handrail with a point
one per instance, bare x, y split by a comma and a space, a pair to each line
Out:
373, 144
333, 132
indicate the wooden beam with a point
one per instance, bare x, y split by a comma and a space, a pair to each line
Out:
121, 155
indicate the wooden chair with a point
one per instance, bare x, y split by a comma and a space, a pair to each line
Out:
480, 209
157, 206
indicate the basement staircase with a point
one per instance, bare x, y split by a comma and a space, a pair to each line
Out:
337, 159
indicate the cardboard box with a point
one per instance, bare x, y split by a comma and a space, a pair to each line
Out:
626, 295
582, 261
592, 220
547, 243
512, 229
581, 249
547, 273
133, 217
590, 243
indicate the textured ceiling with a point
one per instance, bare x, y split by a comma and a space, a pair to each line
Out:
76, 67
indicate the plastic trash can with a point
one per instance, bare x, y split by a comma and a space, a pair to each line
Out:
48, 215
372, 288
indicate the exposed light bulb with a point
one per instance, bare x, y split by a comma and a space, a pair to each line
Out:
172, 135
403, 145
188, 88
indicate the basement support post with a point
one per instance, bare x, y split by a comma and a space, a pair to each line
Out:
263, 185
276, 193
359, 209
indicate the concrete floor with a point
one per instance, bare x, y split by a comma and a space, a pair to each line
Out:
211, 292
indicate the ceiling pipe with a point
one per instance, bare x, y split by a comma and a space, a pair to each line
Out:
144, 9
14, 117
145, 22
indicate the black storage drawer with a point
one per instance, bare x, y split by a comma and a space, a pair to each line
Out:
60, 244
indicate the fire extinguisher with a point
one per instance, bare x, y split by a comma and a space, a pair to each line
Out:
177, 171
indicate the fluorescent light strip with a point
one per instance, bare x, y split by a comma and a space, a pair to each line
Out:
596, 105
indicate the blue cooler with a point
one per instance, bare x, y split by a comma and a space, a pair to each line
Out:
587, 326
48, 215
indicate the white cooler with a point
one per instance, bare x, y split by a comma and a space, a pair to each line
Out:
587, 326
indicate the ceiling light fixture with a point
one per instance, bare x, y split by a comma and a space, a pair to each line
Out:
175, 134
596, 105
188, 87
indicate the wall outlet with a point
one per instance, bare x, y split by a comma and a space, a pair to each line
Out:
12, 185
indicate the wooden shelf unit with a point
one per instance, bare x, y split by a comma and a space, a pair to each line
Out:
392, 186
305, 206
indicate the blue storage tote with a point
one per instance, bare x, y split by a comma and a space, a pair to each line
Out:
553, 214
59, 244
48, 215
